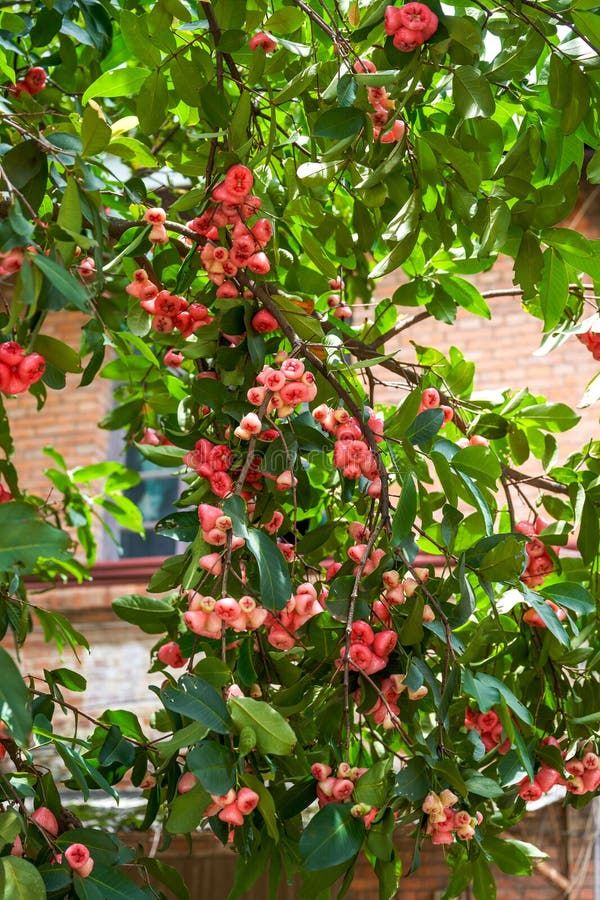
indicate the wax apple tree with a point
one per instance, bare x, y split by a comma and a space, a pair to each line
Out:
216, 190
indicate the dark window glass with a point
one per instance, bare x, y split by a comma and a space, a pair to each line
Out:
154, 496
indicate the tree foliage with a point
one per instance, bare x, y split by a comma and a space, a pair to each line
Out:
436, 696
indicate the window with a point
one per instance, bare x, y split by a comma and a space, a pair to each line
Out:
154, 496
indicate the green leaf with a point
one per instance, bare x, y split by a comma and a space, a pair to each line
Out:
406, 511
108, 884
513, 857
571, 595
465, 294
95, 133
169, 876
554, 288
151, 614
550, 416
413, 781
197, 700
187, 810
116, 83
25, 537
484, 886
67, 286
285, 21
60, 355
332, 836
472, 93
20, 880
275, 585
425, 426
483, 786
152, 100
404, 230
504, 562
273, 734
373, 787
339, 123
214, 765
181, 526
10, 826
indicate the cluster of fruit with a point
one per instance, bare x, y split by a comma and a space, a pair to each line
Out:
583, 775
233, 206
19, 370
207, 617
32, 82
369, 651
444, 822
303, 605
76, 855
411, 25
489, 728
430, 399
539, 561
289, 386
386, 708
169, 311
382, 105
351, 452
396, 592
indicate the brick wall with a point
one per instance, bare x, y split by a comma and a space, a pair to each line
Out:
503, 348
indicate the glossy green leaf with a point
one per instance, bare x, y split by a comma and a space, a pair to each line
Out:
151, 614
332, 836
197, 700
20, 880
472, 93
25, 537
275, 586
116, 83
273, 734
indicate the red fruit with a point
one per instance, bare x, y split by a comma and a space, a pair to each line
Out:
155, 216
173, 358
187, 781
77, 855
11, 353
546, 778
529, 791
406, 40
170, 655
263, 322
46, 819
392, 19
35, 80
417, 17
246, 800
430, 398
31, 368
238, 181
232, 815
260, 39
16, 385
262, 231
384, 643
364, 65
259, 263
320, 771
